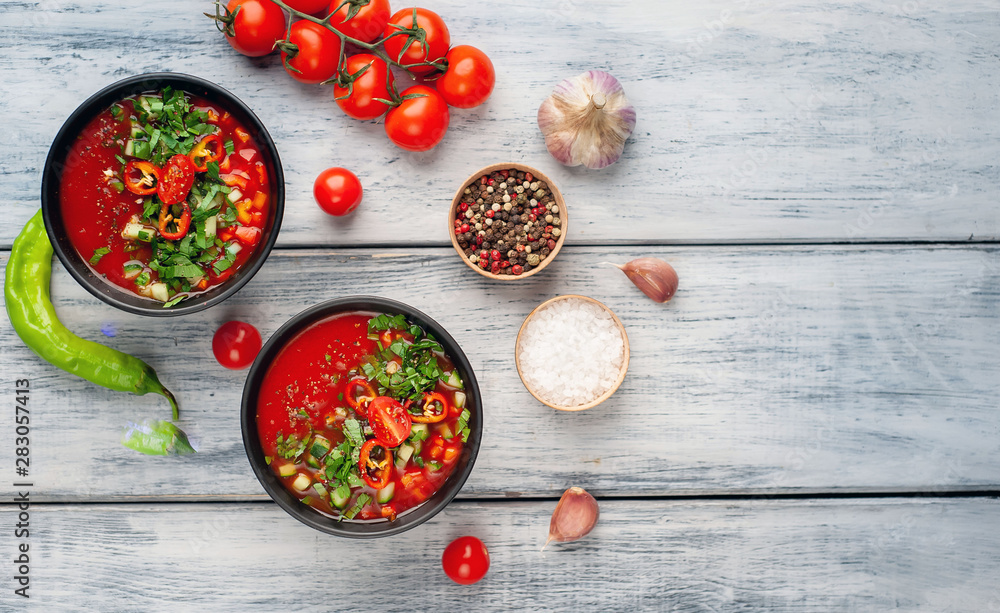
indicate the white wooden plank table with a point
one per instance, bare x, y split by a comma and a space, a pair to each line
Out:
812, 424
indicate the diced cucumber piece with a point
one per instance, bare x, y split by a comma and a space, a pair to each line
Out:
320, 489
235, 195
340, 496
460, 400
136, 130
418, 431
385, 494
302, 482
403, 455
286, 470
417, 447
320, 447
311, 461
138, 231
129, 148
210, 226
159, 292
454, 380
445, 431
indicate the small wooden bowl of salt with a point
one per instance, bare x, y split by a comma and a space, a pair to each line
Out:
571, 353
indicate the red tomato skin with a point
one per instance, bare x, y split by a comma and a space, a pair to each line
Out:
367, 25
236, 344
338, 191
438, 39
319, 51
361, 104
389, 420
418, 124
176, 179
258, 25
311, 7
465, 560
469, 79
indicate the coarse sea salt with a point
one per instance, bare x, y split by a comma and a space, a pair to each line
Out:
570, 352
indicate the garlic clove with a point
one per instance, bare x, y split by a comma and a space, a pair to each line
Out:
587, 120
656, 278
575, 516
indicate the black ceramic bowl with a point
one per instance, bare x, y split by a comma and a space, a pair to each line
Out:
57, 161
310, 516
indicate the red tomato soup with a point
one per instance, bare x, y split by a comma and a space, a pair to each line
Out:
165, 195
362, 416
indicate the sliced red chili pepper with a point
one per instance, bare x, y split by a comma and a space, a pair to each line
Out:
389, 420
141, 178
434, 408
176, 179
181, 224
375, 467
208, 149
358, 394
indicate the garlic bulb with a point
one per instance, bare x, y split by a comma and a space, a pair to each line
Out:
586, 120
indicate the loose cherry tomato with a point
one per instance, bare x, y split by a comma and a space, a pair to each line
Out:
337, 191
318, 52
257, 26
311, 7
358, 100
418, 124
176, 179
389, 420
437, 39
358, 394
465, 560
236, 344
469, 79
366, 25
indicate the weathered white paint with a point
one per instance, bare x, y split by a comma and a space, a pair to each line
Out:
759, 120
785, 555
773, 369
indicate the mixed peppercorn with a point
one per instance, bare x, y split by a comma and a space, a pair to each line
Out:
507, 222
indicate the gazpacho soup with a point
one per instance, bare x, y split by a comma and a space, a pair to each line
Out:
165, 195
362, 416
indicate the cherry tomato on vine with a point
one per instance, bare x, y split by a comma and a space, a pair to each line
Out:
418, 124
337, 191
361, 103
465, 560
176, 179
312, 7
367, 24
257, 26
469, 79
317, 55
389, 420
236, 344
438, 39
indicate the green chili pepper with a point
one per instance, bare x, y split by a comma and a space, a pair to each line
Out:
156, 438
26, 293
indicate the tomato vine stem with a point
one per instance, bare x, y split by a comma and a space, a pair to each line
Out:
415, 34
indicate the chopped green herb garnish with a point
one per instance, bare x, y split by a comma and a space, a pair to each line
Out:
98, 254
362, 500
174, 300
230, 148
290, 448
142, 279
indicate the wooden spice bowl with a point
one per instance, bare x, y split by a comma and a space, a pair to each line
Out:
621, 374
539, 176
